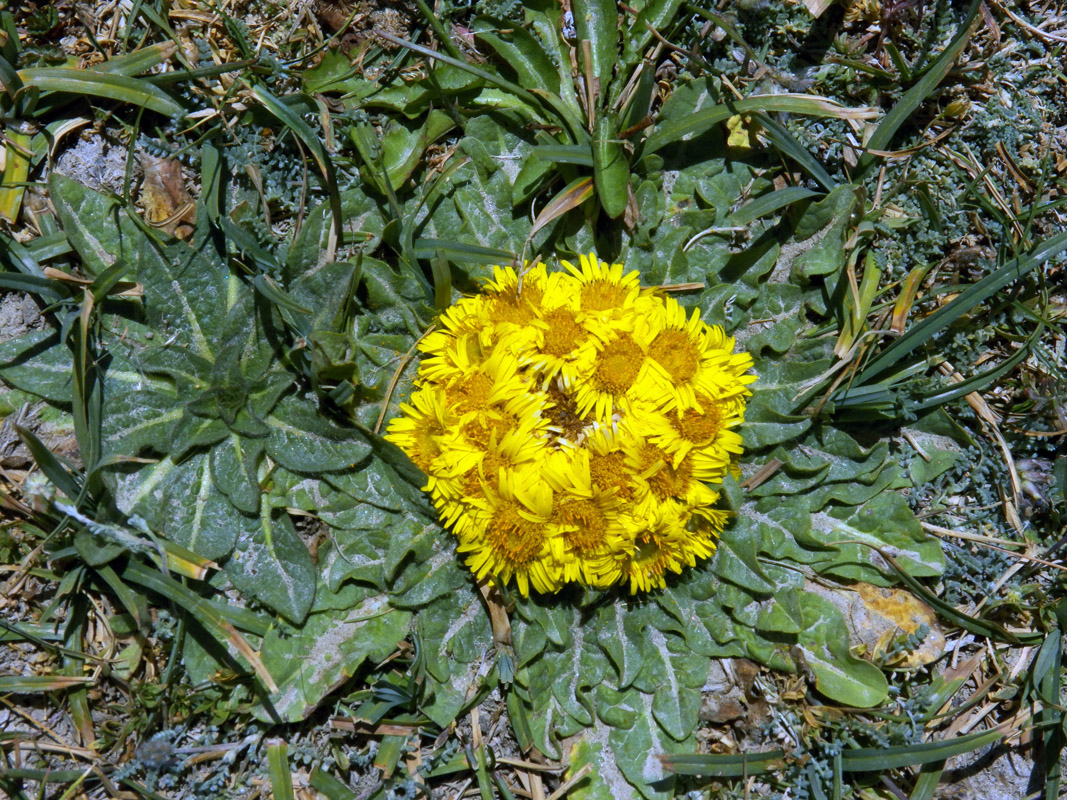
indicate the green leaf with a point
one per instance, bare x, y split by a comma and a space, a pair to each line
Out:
598, 21
271, 564
771, 202
192, 293
691, 110
363, 223
656, 15
735, 560
520, 51
833, 215
674, 676
636, 749
181, 503
344, 628
888, 523
37, 362
314, 144
453, 634
94, 222
966, 300
234, 468
922, 471
611, 170
591, 755
402, 145
281, 779
559, 682
301, 440
619, 634
838, 674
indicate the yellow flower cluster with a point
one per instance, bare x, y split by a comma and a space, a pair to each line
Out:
570, 423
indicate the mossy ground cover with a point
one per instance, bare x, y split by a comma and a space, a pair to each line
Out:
226, 228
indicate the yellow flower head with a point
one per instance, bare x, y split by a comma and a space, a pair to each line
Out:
572, 424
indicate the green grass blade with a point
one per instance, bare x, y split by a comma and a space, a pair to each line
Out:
210, 617
101, 84
969, 298
186, 75
281, 779
879, 759
30, 284
690, 125
787, 145
311, 141
327, 784
769, 203
462, 252
521, 51
980, 381
45, 248
64, 480
917, 94
580, 154
980, 627
20, 257
39, 684
140, 60
725, 766
41, 776
443, 36
926, 784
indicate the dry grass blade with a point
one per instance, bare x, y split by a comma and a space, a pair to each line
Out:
35, 684
575, 193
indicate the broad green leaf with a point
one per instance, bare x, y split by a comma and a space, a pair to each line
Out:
619, 635
344, 629
838, 674
234, 468
885, 522
560, 681
453, 633
782, 613
271, 564
363, 223
674, 676
594, 755
636, 748
142, 411
39, 363
656, 15
301, 440
923, 471
94, 222
735, 561
180, 502
833, 215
